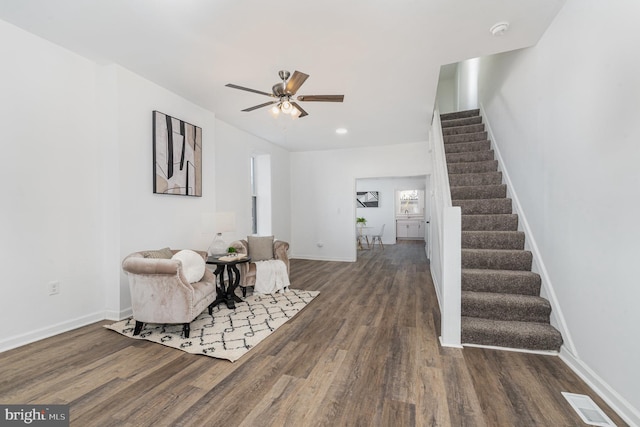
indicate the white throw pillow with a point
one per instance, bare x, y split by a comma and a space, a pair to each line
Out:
193, 265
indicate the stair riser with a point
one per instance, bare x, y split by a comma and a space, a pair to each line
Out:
465, 147
484, 206
479, 192
473, 167
461, 122
494, 260
465, 137
459, 130
473, 179
460, 114
474, 156
500, 283
492, 240
539, 314
489, 222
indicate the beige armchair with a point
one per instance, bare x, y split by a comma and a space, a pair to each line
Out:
248, 269
160, 292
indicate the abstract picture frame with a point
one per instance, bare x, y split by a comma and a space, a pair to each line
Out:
367, 199
177, 156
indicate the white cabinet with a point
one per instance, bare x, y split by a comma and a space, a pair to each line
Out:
409, 229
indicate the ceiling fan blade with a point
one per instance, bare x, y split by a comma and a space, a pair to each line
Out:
255, 107
247, 89
302, 112
295, 82
322, 98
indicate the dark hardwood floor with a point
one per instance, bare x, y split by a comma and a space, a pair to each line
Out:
365, 352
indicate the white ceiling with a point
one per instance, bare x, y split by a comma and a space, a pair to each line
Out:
383, 55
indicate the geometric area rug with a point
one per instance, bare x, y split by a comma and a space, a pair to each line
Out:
227, 333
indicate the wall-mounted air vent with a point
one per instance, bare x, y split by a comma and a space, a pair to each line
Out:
587, 409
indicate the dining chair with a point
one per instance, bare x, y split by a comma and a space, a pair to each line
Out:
378, 238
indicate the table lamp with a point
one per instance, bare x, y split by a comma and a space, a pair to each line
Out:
224, 222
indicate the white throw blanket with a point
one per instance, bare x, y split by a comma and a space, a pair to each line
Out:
271, 277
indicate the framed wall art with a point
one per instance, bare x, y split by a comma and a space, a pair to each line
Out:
367, 199
177, 156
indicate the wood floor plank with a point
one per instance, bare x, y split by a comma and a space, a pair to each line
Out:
365, 352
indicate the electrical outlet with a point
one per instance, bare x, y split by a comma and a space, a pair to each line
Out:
54, 288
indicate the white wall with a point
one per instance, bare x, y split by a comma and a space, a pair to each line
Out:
234, 149
467, 84
447, 95
565, 118
77, 173
51, 170
148, 220
323, 186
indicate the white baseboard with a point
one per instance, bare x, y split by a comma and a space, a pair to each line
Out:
531, 244
619, 404
449, 345
118, 315
514, 350
319, 258
49, 331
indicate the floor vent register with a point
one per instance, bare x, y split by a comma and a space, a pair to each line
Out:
587, 409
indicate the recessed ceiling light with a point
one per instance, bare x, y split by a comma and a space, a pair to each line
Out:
341, 131
499, 29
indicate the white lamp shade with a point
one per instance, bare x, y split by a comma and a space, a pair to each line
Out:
225, 221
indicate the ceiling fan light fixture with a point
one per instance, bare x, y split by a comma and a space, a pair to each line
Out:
286, 107
283, 95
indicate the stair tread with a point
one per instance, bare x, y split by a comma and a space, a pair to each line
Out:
482, 137
493, 215
510, 333
492, 222
497, 251
479, 192
478, 178
505, 306
521, 282
463, 129
460, 114
479, 187
461, 121
467, 147
492, 239
500, 259
470, 157
494, 233
465, 137
514, 273
506, 298
489, 200
502, 205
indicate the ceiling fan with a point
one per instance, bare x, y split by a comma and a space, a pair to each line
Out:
284, 93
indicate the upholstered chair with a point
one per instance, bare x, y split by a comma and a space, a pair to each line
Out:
161, 291
259, 249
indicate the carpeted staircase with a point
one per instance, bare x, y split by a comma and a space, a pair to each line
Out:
501, 303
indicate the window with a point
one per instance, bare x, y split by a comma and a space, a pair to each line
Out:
254, 198
261, 194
